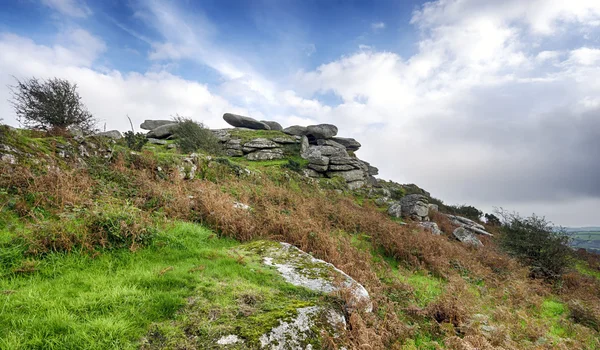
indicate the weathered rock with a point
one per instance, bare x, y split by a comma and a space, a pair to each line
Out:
322, 131
304, 147
295, 130
260, 143
415, 206
239, 205
317, 167
349, 176
381, 201
297, 333
395, 210
301, 269
233, 148
285, 140
466, 236
162, 132
318, 159
153, 124
272, 124
222, 134
8, 158
156, 141
244, 122
431, 227
350, 143
311, 173
266, 154
469, 225
329, 151
433, 207
353, 185
341, 167
112, 134
229, 340
324, 142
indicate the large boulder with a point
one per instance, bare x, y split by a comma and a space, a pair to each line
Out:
350, 143
258, 144
431, 227
241, 121
467, 237
273, 125
162, 132
322, 131
303, 270
349, 176
469, 224
153, 124
296, 130
415, 206
395, 210
112, 134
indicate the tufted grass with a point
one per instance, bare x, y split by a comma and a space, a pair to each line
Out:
107, 302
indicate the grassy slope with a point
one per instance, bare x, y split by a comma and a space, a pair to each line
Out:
190, 280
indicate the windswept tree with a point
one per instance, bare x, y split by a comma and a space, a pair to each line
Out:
537, 243
50, 105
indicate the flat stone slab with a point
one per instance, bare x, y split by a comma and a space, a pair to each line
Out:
302, 269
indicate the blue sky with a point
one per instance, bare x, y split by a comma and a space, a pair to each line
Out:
486, 102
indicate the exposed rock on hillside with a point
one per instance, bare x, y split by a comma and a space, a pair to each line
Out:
466, 236
469, 225
162, 132
272, 124
153, 124
302, 269
113, 134
241, 121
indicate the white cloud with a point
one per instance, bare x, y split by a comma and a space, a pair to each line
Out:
73, 8
377, 26
585, 56
110, 95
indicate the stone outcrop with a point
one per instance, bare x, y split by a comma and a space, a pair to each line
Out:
321, 131
466, 236
162, 132
302, 269
295, 130
431, 227
241, 121
272, 124
153, 124
112, 134
415, 206
350, 144
469, 224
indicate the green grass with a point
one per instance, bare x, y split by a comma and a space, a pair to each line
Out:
553, 311
426, 288
110, 301
247, 135
107, 302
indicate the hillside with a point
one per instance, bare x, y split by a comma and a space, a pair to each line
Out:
104, 247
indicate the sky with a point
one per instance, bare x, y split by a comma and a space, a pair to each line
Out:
491, 103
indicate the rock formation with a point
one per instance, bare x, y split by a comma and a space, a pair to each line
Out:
241, 121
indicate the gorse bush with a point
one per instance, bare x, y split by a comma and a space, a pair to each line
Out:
135, 141
50, 105
192, 136
535, 242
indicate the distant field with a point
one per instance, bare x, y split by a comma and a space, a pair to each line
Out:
587, 240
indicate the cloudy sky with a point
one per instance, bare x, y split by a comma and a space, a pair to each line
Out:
494, 103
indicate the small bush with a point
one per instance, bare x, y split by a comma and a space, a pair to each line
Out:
135, 141
293, 165
534, 242
468, 211
192, 136
50, 105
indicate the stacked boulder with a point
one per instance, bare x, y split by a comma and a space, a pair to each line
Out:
158, 129
414, 206
467, 230
328, 155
